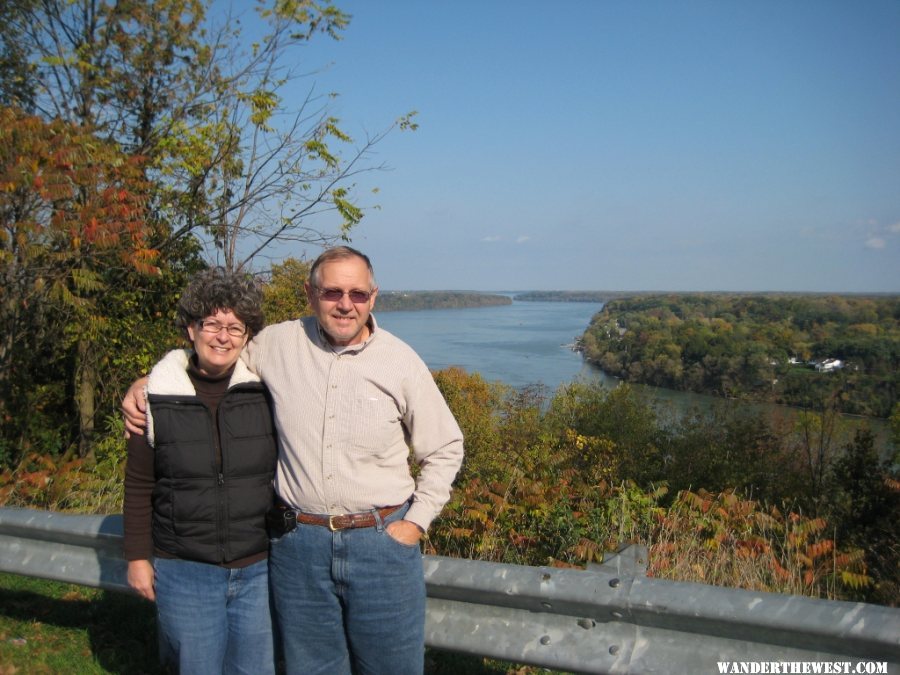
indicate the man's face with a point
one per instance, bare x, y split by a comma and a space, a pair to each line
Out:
343, 320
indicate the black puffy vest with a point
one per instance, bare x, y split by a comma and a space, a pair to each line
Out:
201, 511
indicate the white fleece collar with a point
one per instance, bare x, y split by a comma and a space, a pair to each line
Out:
169, 377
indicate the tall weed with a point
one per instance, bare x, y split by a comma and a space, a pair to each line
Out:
719, 539
85, 485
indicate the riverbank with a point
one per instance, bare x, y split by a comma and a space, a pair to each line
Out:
815, 352
408, 301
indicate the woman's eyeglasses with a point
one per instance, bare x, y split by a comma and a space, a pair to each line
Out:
211, 326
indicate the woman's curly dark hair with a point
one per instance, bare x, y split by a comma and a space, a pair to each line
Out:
215, 289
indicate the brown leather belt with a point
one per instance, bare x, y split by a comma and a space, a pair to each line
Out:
347, 521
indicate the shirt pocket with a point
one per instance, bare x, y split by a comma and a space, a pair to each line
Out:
375, 427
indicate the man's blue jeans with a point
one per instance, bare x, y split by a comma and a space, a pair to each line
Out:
349, 601
212, 619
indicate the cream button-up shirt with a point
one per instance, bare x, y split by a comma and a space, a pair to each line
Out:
349, 420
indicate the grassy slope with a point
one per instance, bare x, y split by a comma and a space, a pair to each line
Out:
49, 627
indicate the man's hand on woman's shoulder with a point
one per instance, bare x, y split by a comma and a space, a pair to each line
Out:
134, 408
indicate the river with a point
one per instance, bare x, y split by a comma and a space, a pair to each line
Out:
518, 344
531, 343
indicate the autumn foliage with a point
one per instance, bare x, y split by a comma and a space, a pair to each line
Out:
67, 191
73, 226
562, 482
546, 483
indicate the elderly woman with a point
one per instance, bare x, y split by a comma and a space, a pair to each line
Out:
198, 485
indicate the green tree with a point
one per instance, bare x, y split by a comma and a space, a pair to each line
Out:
729, 447
817, 435
284, 296
894, 421
619, 423
16, 73
475, 404
864, 505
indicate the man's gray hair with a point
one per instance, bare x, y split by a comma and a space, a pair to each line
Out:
338, 253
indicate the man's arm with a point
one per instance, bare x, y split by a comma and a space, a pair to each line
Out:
437, 443
134, 408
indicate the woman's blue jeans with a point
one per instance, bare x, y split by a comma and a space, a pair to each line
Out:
212, 619
349, 601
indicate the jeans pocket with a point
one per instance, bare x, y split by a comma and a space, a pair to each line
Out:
276, 541
400, 543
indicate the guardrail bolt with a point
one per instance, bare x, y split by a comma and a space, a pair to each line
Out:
546, 605
614, 650
587, 624
617, 615
614, 583
545, 640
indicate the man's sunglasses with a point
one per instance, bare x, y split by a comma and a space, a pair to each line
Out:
335, 294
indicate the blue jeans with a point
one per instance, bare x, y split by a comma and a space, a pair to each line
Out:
349, 601
212, 619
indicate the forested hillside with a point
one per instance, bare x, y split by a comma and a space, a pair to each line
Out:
568, 296
809, 351
389, 301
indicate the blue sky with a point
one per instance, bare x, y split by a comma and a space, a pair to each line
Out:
625, 145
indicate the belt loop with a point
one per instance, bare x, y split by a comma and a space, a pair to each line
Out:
379, 523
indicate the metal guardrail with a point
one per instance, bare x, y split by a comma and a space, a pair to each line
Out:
610, 618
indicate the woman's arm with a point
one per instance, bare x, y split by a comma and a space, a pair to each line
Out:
138, 510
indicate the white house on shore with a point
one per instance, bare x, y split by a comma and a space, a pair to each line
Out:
828, 365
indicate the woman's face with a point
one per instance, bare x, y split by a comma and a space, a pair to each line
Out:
217, 348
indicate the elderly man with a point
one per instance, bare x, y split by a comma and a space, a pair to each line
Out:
351, 402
